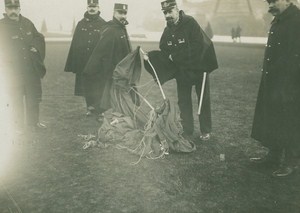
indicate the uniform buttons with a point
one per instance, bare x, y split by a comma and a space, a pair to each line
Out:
272, 32
269, 46
175, 45
267, 73
266, 45
89, 41
90, 33
173, 36
88, 49
262, 70
278, 43
268, 59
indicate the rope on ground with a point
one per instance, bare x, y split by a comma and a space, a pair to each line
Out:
89, 140
142, 143
87, 137
163, 148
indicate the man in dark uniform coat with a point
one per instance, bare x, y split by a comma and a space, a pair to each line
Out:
112, 47
190, 49
86, 36
277, 115
22, 55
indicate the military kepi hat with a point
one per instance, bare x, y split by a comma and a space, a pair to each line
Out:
12, 3
167, 5
271, 1
93, 2
119, 6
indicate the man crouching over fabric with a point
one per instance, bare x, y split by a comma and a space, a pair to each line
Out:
190, 49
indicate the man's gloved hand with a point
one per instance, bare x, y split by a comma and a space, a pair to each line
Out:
145, 55
33, 49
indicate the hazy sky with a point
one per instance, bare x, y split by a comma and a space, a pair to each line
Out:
57, 12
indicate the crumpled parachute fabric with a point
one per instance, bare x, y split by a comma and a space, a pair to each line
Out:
147, 134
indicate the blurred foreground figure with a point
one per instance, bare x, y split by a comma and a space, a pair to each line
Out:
22, 56
277, 115
189, 48
112, 47
86, 35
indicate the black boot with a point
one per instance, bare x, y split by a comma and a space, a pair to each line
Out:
271, 160
288, 165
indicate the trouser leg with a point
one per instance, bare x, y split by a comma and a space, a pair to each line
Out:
93, 87
275, 154
17, 109
32, 112
15, 104
88, 90
185, 106
291, 158
205, 114
32, 108
89, 101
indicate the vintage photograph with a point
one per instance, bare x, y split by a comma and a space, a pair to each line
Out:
150, 106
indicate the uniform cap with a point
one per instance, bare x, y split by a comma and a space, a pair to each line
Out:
167, 5
270, 1
93, 2
119, 6
12, 3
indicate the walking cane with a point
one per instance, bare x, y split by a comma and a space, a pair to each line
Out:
202, 92
159, 84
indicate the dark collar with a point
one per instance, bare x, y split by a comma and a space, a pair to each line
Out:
89, 17
289, 11
181, 21
116, 22
12, 21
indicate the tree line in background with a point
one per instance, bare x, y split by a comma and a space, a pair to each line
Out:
222, 18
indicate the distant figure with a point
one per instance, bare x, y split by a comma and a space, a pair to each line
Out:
85, 38
236, 34
238, 31
208, 31
233, 35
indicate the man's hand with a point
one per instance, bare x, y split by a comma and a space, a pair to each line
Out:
32, 49
170, 57
145, 56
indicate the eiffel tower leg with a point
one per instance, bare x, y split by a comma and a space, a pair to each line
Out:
250, 7
217, 7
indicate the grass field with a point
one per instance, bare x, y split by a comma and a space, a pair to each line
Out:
52, 173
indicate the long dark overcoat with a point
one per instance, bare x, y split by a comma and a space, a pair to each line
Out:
112, 47
85, 38
23, 68
277, 115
